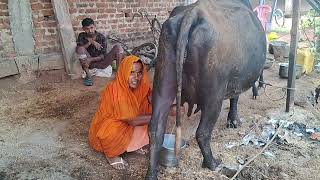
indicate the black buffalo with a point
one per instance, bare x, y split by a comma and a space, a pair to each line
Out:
209, 51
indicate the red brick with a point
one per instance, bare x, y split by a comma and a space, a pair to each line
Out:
4, 13
3, 7
45, 1
47, 12
110, 10
47, 5
36, 6
72, 11
91, 10
102, 5
4, 1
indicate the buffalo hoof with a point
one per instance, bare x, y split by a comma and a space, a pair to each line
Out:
151, 177
211, 165
255, 93
233, 123
254, 96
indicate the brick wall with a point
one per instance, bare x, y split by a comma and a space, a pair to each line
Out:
44, 27
6, 42
110, 16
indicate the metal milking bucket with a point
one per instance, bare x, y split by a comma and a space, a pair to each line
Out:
167, 155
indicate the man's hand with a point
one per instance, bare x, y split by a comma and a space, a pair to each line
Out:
85, 63
92, 40
97, 45
100, 58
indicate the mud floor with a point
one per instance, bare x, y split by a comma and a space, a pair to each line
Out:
44, 129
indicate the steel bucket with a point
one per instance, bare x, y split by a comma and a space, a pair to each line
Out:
284, 67
167, 155
279, 49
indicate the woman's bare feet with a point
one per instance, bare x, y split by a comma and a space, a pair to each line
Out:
117, 162
144, 150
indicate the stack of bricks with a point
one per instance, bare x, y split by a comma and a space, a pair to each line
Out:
6, 41
45, 34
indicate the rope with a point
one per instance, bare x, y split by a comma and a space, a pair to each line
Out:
269, 84
278, 89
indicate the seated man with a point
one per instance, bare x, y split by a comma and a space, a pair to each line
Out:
91, 50
121, 120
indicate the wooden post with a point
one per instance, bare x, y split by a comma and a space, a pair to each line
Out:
67, 37
292, 55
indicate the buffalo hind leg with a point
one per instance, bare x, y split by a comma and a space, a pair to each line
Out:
233, 117
255, 92
209, 116
261, 81
317, 92
156, 134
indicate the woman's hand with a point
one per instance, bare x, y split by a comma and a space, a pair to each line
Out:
173, 110
150, 98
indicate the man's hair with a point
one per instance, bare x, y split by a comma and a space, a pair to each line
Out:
87, 22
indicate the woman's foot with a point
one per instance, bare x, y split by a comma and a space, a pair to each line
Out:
118, 163
143, 151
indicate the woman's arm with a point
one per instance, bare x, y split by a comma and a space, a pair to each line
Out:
145, 119
140, 120
150, 96
172, 111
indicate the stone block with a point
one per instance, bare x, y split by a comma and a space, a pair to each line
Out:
8, 67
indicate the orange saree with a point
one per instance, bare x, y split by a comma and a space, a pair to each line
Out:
110, 131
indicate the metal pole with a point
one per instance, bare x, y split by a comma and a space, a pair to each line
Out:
315, 5
274, 4
292, 54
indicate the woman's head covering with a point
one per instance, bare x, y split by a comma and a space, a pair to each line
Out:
125, 69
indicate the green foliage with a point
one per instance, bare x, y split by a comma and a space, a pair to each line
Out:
312, 20
309, 19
